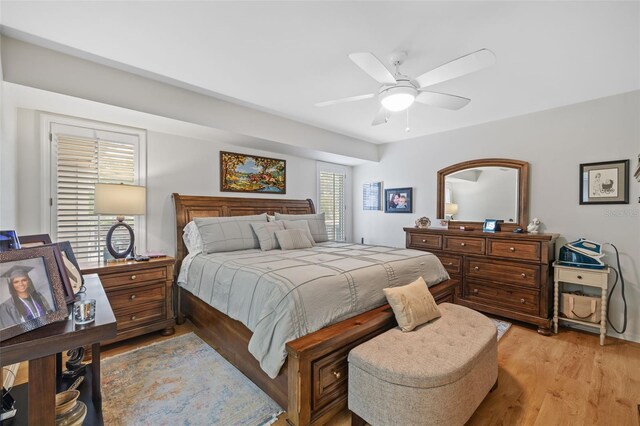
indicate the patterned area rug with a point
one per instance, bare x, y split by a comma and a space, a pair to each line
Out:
180, 381
502, 327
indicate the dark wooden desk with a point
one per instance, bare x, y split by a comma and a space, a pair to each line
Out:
40, 347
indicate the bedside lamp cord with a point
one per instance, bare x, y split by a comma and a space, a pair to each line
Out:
624, 299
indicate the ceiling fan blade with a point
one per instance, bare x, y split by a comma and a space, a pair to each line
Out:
373, 66
458, 67
442, 100
343, 100
382, 116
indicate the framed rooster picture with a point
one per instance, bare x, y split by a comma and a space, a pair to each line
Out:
250, 173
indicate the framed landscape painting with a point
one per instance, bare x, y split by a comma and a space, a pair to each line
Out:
250, 173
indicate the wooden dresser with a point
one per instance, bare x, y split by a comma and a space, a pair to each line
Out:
504, 274
140, 294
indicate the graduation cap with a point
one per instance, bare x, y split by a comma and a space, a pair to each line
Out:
17, 271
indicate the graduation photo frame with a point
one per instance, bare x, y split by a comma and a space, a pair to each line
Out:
32, 290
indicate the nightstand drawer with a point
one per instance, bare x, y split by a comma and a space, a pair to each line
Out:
141, 316
526, 250
586, 277
137, 296
425, 241
128, 278
464, 244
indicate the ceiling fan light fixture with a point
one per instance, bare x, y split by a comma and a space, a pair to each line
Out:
398, 98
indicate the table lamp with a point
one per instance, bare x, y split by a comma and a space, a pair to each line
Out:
450, 209
119, 200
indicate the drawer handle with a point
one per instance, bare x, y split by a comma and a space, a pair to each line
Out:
579, 277
337, 374
523, 275
512, 249
424, 241
133, 296
522, 301
476, 268
463, 244
133, 317
475, 290
450, 264
132, 277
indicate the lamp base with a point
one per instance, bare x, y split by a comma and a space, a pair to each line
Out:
112, 250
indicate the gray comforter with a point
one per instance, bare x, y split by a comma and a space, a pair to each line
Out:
283, 295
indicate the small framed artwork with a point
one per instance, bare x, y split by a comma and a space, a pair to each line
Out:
32, 294
604, 183
71, 266
637, 172
9, 241
250, 173
490, 225
372, 196
34, 240
398, 200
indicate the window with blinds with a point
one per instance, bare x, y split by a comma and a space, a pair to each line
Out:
81, 158
332, 196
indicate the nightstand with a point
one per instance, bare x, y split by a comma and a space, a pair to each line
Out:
598, 278
140, 294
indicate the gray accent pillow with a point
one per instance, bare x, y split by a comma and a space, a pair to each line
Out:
316, 224
299, 224
266, 233
229, 233
291, 239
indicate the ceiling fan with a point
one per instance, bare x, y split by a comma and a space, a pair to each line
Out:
397, 91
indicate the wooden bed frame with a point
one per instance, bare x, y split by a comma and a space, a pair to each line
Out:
312, 384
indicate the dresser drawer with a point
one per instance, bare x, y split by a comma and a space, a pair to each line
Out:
146, 314
526, 250
582, 277
136, 296
464, 244
425, 241
503, 271
524, 301
128, 278
451, 262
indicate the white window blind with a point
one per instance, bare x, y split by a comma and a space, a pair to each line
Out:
79, 161
332, 195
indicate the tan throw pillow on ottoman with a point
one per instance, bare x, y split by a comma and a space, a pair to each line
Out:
412, 304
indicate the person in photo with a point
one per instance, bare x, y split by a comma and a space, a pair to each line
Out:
25, 302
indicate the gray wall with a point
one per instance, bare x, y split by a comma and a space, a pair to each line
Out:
555, 143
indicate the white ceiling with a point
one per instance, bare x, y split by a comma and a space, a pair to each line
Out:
283, 57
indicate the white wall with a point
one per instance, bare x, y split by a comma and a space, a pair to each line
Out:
174, 164
555, 143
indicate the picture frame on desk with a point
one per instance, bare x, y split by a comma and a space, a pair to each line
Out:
32, 290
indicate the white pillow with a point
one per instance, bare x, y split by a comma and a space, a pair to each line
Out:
290, 239
191, 237
316, 224
299, 224
229, 233
265, 231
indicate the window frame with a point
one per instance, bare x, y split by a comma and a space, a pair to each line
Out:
48, 188
336, 168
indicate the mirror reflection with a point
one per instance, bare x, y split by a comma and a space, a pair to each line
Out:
480, 193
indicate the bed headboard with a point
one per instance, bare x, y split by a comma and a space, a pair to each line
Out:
191, 206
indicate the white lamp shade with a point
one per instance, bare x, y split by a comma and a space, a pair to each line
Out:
450, 208
119, 199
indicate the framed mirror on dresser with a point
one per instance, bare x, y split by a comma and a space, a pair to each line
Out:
503, 273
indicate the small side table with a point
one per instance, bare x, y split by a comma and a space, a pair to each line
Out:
589, 277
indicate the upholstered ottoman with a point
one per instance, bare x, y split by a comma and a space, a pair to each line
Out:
437, 374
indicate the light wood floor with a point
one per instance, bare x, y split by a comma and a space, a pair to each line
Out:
566, 379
